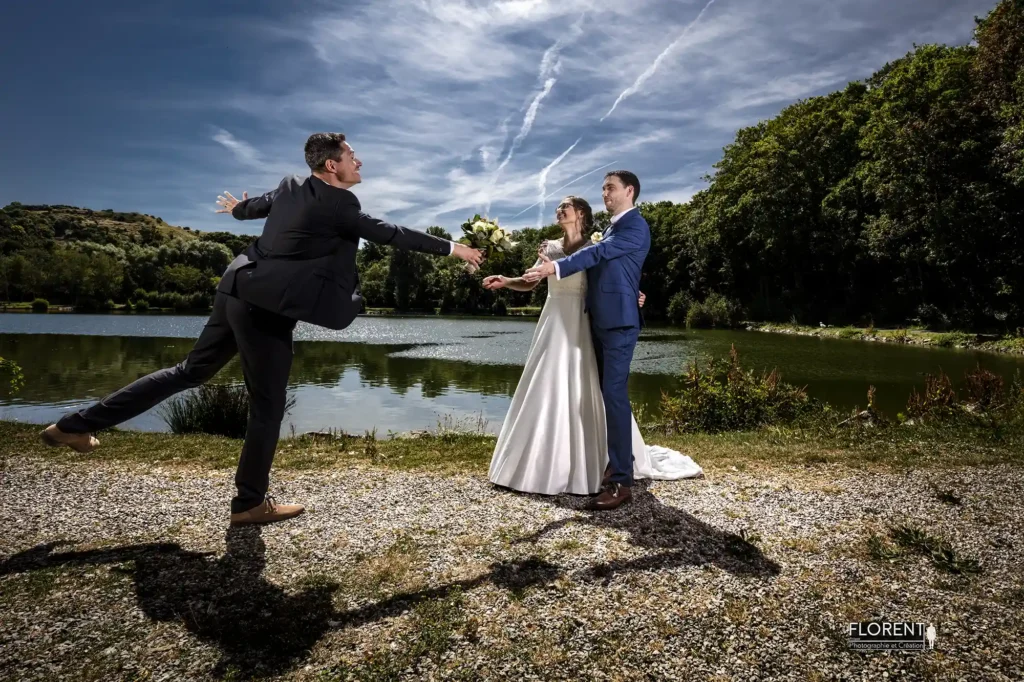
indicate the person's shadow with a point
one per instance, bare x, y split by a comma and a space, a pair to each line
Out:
224, 601
648, 523
262, 629
259, 628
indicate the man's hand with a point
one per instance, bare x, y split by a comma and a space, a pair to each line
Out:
545, 269
229, 202
495, 282
643, 297
472, 256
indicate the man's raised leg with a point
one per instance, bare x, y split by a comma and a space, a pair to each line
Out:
213, 349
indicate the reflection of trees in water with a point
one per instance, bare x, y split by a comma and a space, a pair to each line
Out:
66, 367
70, 367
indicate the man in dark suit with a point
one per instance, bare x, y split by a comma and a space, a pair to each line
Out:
302, 267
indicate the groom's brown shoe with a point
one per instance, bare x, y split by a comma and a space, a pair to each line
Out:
607, 478
612, 496
80, 442
268, 512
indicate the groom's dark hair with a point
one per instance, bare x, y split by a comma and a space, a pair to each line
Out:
628, 179
323, 146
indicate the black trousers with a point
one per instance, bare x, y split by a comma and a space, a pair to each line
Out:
264, 341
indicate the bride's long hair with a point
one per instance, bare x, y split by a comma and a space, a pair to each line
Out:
584, 210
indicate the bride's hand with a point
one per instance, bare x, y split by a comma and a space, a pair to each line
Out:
495, 282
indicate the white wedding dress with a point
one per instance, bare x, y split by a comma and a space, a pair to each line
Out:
554, 438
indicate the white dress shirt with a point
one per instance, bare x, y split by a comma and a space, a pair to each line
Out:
615, 218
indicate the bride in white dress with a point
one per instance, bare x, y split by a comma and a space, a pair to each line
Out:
554, 438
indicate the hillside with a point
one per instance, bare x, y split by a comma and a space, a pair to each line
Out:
95, 260
43, 224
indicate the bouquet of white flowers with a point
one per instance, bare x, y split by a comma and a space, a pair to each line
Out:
488, 236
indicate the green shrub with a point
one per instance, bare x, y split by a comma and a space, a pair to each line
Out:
985, 398
40, 305
141, 306
678, 306
216, 409
715, 311
953, 339
724, 397
13, 370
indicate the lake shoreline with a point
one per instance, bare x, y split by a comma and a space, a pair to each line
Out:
1009, 345
992, 343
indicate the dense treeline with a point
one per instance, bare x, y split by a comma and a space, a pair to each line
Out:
898, 200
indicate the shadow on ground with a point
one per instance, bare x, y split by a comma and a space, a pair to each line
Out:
262, 629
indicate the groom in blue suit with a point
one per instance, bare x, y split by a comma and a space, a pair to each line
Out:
613, 268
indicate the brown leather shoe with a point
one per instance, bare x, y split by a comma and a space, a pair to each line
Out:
80, 442
268, 512
607, 478
612, 496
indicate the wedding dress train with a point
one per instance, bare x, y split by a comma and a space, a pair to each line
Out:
554, 438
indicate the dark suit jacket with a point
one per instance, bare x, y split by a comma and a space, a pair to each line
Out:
303, 266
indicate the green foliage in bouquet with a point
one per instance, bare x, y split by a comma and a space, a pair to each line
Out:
488, 236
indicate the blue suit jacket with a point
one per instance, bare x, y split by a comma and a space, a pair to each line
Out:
613, 268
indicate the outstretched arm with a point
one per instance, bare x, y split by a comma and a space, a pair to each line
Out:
381, 232
625, 240
247, 209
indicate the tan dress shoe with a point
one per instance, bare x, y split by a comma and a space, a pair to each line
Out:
80, 442
268, 512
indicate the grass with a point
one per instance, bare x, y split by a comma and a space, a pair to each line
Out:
450, 452
429, 636
904, 540
216, 409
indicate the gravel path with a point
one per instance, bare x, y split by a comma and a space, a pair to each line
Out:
743, 575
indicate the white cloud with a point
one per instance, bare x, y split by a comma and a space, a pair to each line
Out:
459, 106
242, 150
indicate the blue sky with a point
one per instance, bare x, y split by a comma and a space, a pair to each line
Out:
454, 106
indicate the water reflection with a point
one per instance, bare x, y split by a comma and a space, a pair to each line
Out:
405, 373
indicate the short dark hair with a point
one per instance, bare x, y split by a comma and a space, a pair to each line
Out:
323, 146
629, 179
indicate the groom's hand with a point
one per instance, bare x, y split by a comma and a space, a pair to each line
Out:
545, 269
643, 297
474, 256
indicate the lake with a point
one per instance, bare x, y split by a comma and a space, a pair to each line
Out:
405, 373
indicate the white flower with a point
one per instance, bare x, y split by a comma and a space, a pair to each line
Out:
497, 236
480, 226
506, 244
596, 237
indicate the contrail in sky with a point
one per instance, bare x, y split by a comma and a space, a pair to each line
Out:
554, 192
635, 87
542, 180
550, 65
